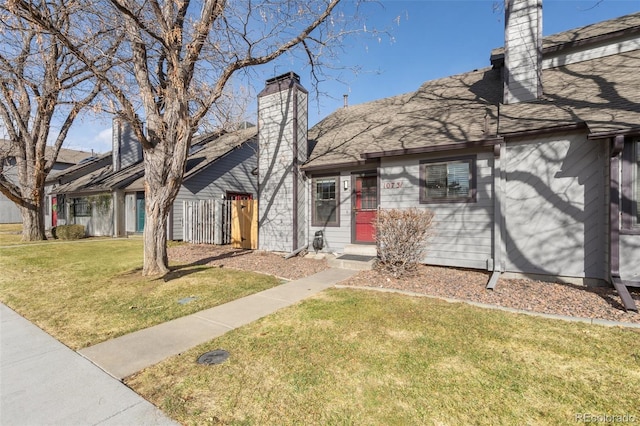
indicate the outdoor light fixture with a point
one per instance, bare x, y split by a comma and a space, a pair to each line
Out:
345, 184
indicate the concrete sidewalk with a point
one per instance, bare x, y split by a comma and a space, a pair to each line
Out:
128, 354
43, 382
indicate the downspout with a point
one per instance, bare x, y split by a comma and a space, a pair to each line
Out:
497, 218
614, 225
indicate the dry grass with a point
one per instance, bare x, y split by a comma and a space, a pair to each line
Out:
10, 233
358, 357
86, 292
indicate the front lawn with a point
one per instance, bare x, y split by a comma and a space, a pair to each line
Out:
86, 292
363, 357
10, 233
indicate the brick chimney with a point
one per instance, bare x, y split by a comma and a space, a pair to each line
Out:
523, 51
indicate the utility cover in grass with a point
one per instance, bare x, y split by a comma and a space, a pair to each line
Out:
213, 357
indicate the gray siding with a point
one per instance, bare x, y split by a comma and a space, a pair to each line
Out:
462, 232
126, 148
232, 172
629, 255
100, 223
9, 212
275, 121
555, 207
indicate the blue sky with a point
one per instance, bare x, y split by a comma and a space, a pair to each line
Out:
429, 40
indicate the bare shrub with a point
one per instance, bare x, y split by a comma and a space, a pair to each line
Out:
68, 232
402, 238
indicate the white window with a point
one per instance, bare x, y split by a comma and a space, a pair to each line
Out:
448, 180
325, 202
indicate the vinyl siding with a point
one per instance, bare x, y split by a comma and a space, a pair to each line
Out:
555, 207
126, 148
275, 121
629, 255
9, 212
602, 49
232, 172
100, 223
462, 232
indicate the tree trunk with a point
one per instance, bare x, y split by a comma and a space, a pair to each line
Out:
156, 261
33, 221
164, 166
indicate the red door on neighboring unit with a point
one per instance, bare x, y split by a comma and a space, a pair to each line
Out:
366, 206
54, 211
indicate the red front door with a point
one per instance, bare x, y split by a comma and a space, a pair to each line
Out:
54, 211
365, 208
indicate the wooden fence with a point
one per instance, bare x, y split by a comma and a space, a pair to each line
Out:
244, 229
207, 221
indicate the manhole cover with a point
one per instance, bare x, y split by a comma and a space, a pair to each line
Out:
213, 357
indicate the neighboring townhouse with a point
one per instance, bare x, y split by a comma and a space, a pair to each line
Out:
531, 165
9, 211
106, 194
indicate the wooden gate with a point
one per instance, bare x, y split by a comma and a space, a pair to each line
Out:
244, 228
207, 222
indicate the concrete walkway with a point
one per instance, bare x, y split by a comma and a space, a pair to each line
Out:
130, 353
44, 382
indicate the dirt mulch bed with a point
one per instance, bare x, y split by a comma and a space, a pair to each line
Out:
537, 296
463, 284
257, 261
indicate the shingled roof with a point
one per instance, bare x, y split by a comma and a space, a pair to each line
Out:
616, 27
602, 94
207, 150
65, 155
342, 136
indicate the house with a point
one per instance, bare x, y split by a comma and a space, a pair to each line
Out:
9, 211
531, 165
106, 193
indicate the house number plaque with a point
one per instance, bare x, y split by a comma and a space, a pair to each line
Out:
392, 185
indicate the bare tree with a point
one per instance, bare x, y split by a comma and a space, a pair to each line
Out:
177, 60
40, 82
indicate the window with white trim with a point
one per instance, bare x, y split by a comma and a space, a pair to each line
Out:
450, 180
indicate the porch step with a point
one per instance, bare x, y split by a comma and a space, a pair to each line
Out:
361, 249
353, 261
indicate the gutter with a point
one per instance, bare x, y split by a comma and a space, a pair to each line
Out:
499, 249
546, 130
614, 133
